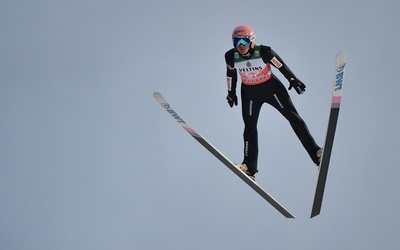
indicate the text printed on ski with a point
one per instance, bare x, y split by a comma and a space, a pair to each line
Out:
339, 76
173, 113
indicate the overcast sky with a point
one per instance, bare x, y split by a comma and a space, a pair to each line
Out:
88, 159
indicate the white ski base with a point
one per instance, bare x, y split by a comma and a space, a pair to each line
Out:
160, 99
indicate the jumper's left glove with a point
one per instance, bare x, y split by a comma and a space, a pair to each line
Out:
297, 85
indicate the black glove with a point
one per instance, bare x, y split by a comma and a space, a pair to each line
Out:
297, 85
232, 98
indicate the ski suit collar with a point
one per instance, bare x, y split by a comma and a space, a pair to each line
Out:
248, 55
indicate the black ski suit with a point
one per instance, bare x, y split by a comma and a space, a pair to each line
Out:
271, 91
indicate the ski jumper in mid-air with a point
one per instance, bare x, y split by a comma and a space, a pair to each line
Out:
259, 85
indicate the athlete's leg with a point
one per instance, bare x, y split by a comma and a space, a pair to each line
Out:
251, 106
281, 100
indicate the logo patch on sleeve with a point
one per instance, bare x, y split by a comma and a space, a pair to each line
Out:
229, 83
276, 62
230, 67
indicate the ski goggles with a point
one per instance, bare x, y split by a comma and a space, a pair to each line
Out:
245, 40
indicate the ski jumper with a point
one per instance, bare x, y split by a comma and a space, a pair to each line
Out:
259, 86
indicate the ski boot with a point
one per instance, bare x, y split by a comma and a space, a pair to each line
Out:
243, 167
319, 155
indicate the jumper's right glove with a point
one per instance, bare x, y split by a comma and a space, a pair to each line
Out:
232, 98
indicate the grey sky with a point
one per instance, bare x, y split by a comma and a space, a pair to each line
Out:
88, 160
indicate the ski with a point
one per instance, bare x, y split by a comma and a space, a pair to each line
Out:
160, 99
330, 134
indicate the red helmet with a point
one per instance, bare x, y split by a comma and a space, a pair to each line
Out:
243, 34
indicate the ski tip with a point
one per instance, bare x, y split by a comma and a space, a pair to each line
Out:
159, 97
341, 54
